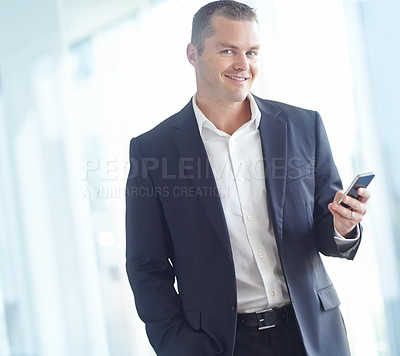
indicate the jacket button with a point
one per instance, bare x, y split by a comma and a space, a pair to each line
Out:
234, 307
229, 257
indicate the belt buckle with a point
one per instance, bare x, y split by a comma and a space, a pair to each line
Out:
260, 320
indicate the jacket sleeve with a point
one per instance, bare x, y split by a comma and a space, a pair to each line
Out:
149, 265
327, 183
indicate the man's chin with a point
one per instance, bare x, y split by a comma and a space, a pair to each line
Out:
238, 96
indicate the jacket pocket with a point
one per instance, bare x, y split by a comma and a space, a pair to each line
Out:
328, 298
193, 318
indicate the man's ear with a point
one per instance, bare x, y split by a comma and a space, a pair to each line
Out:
192, 54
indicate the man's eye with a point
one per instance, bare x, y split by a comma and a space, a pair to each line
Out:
252, 53
227, 51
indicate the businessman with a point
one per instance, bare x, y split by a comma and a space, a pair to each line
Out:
229, 204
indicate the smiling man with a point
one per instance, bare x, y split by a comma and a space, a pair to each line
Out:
241, 199
226, 65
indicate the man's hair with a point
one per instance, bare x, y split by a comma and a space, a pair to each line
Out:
233, 10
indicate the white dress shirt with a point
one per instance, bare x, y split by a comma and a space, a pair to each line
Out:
237, 164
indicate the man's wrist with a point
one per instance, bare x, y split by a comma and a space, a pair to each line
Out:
352, 235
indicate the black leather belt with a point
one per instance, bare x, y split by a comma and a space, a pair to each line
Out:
266, 319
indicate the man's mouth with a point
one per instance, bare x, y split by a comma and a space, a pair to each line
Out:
236, 78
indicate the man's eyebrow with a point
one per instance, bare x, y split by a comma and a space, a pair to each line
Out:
228, 45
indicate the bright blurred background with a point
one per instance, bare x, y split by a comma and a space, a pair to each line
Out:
79, 78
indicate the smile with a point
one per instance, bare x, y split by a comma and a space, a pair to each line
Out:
237, 78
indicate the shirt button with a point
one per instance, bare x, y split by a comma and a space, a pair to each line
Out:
241, 179
272, 294
250, 218
261, 255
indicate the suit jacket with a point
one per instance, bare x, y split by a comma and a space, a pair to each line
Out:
176, 232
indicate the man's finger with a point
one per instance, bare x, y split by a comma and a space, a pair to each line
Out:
338, 195
364, 194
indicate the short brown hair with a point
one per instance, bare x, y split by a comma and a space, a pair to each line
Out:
233, 10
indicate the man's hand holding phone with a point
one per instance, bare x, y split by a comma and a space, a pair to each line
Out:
350, 206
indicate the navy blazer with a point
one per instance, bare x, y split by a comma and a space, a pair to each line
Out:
176, 232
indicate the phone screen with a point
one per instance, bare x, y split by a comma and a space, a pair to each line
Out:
360, 181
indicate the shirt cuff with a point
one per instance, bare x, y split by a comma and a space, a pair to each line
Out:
346, 245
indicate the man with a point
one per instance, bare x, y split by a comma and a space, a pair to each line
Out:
233, 198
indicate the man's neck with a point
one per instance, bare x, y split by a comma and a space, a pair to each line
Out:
226, 117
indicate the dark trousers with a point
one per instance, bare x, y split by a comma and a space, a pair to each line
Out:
282, 340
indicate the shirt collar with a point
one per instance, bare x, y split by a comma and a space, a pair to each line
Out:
202, 121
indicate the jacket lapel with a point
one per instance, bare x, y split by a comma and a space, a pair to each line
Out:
273, 133
190, 148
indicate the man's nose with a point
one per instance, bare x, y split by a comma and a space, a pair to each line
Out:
241, 62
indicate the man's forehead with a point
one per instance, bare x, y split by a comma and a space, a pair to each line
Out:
234, 33
233, 45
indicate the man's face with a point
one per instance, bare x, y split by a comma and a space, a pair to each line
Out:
226, 69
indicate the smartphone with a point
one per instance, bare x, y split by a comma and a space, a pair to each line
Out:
360, 181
